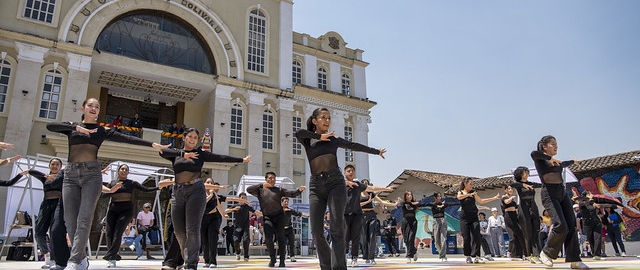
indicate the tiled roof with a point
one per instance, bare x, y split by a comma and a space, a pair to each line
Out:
609, 162
485, 183
442, 180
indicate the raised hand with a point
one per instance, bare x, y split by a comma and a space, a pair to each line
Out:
246, 159
326, 136
190, 155
382, 151
85, 131
159, 147
4, 145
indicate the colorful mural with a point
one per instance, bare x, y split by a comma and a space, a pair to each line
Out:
624, 185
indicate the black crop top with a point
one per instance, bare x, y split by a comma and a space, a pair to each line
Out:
438, 212
48, 185
84, 147
544, 166
322, 154
409, 210
186, 170
469, 209
505, 205
524, 193
369, 205
123, 194
270, 198
588, 210
213, 203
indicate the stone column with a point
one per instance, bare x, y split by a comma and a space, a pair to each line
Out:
337, 125
308, 111
285, 143
220, 112
76, 86
255, 108
361, 135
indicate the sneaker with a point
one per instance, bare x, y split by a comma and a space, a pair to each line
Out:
111, 263
57, 267
598, 258
415, 257
272, 263
206, 265
469, 260
545, 259
72, 266
281, 264
367, 262
141, 258
132, 247
47, 265
166, 267
354, 263
444, 259
149, 257
579, 265
397, 254
624, 254
84, 264
408, 260
373, 262
478, 260
246, 259
237, 257
213, 265
534, 260
489, 258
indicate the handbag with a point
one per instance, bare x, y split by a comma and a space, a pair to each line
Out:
23, 218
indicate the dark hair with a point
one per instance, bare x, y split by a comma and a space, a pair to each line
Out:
349, 166
404, 198
242, 193
464, 181
284, 199
189, 130
269, 173
585, 193
367, 180
123, 165
482, 213
310, 125
436, 194
85, 103
55, 158
517, 173
543, 141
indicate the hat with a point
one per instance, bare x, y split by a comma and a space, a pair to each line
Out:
494, 209
147, 205
576, 206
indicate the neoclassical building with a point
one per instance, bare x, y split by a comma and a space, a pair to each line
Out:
234, 67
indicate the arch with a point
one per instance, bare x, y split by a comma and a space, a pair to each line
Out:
86, 20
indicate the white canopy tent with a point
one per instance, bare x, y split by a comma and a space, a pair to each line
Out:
567, 175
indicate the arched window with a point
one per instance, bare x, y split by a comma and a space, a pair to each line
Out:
346, 84
267, 129
322, 78
296, 72
297, 146
158, 38
348, 135
51, 91
257, 41
5, 76
237, 116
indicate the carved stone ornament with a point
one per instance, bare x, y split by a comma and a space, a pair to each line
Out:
334, 43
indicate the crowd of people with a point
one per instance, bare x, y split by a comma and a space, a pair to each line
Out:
343, 220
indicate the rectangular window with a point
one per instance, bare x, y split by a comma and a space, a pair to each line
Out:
267, 130
40, 10
5, 75
257, 42
348, 135
346, 85
236, 125
50, 98
322, 79
297, 146
296, 73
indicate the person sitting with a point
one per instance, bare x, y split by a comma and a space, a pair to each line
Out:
132, 238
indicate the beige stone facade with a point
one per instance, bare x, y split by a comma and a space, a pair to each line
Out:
61, 40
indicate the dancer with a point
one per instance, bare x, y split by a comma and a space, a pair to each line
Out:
555, 199
409, 223
614, 231
592, 225
241, 225
211, 223
516, 237
439, 225
370, 222
270, 198
469, 223
390, 232
189, 192
82, 181
486, 236
289, 236
327, 186
227, 231
528, 214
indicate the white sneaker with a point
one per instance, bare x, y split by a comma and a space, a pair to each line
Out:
545, 259
84, 264
72, 266
47, 264
478, 260
373, 262
132, 247
111, 263
444, 259
624, 254
354, 263
579, 265
415, 257
141, 258
408, 260
293, 259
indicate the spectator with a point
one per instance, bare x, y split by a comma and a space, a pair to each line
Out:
132, 238
117, 123
173, 130
136, 123
145, 223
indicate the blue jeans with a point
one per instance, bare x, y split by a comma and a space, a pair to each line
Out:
81, 190
134, 241
328, 189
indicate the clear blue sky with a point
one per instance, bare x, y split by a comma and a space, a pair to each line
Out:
469, 87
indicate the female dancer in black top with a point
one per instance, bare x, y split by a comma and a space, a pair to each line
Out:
613, 229
516, 237
189, 192
120, 211
528, 214
370, 222
211, 222
83, 180
439, 226
557, 201
591, 223
409, 223
327, 185
469, 221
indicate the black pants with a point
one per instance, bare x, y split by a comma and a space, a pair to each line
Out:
353, 233
58, 237
43, 223
563, 223
209, 234
274, 225
173, 257
118, 217
543, 238
471, 238
290, 237
516, 237
241, 233
327, 189
593, 231
616, 237
409, 227
370, 228
529, 219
